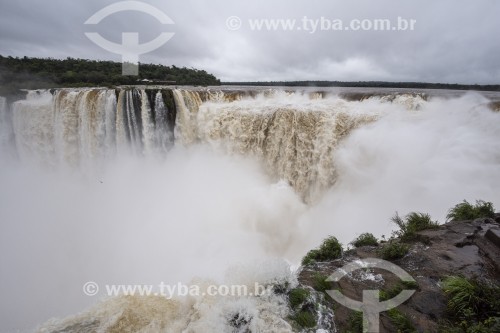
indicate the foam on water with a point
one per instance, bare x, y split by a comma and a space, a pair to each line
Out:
201, 313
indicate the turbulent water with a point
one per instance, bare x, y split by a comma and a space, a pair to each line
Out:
293, 135
81, 128
200, 186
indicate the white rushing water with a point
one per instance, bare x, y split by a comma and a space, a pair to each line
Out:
6, 131
230, 187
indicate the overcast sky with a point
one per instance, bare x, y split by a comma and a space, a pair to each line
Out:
452, 41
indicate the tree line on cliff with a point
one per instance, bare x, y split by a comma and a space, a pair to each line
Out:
37, 73
370, 84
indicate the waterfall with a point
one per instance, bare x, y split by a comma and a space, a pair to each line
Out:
187, 103
292, 133
82, 128
148, 124
129, 121
7, 144
33, 124
5, 122
96, 126
164, 124
295, 141
237, 177
158, 123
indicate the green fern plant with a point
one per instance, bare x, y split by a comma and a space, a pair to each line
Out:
467, 211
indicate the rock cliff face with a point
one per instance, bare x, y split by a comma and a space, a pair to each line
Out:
467, 248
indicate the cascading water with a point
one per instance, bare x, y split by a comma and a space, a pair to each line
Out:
188, 103
6, 131
33, 123
293, 134
294, 139
129, 120
158, 126
96, 125
164, 120
82, 128
244, 176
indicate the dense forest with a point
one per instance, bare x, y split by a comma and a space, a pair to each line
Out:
371, 84
35, 73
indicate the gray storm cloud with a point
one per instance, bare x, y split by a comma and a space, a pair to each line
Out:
453, 41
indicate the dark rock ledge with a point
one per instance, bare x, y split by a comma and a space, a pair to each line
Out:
466, 248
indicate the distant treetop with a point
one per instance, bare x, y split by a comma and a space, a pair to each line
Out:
37, 73
369, 84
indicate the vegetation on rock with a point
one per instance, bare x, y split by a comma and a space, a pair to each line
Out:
467, 211
473, 306
330, 249
304, 319
393, 250
397, 289
411, 223
298, 296
365, 239
320, 282
355, 322
464, 305
401, 321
